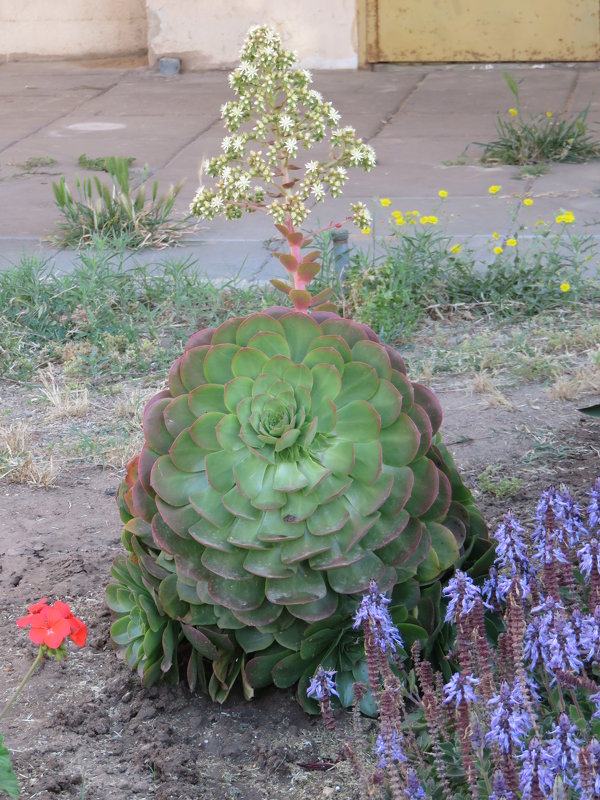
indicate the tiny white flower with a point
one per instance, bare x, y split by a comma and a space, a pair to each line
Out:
290, 145
318, 191
286, 123
243, 182
226, 143
356, 155
216, 203
311, 166
334, 116
237, 144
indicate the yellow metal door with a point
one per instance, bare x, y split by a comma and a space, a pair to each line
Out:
479, 30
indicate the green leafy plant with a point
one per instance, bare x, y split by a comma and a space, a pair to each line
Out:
492, 482
114, 213
290, 461
417, 271
540, 138
101, 163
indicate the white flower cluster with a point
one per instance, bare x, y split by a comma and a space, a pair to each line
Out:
276, 113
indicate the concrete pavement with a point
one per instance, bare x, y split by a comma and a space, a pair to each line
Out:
419, 119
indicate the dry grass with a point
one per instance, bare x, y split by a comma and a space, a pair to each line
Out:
484, 383
17, 462
572, 386
64, 400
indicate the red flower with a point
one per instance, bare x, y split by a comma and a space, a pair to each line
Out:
51, 625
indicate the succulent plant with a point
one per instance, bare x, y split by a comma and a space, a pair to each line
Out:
290, 461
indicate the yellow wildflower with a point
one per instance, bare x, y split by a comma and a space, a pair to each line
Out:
366, 230
442, 193
539, 222
511, 242
456, 248
513, 112
494, 189
565, 287
397, 214
412, 214
400, 219
430, 220
528, 201
565, 218
495, 235
548, 114
498, 250
385, 201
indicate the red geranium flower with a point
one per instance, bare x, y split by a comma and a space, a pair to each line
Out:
51, 625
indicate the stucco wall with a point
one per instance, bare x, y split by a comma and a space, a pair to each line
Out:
72, 28
206, 34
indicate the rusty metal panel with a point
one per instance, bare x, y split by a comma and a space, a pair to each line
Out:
482, 30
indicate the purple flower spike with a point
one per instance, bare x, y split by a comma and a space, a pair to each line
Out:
460, 689
322, 685
463, 596
510, 722
373, 613
594, 506
551, 638
566, 530
561, 754
495, 588
511, 550
500, 791
589, 557
535, 774
414, 790
389, 752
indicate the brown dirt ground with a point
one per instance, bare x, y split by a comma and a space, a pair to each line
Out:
87, 729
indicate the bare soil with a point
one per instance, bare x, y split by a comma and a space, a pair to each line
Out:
87, 728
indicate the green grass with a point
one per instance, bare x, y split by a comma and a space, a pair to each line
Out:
115, 213
100, 164
108, 320
500, 486
530, 139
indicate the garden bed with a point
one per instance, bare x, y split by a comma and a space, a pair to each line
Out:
87, 728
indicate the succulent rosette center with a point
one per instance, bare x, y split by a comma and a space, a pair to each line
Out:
278, 413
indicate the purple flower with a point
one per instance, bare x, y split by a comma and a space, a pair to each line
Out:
595, 699
594, 506
567, 528
463, 595
561, 754
551, 638
588, 629
414, 789
459, 689
374, 613
589, 558
322, 685
510, 722
534, 772
589, 770
511, 550
389, 749
494, 589
500, 792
